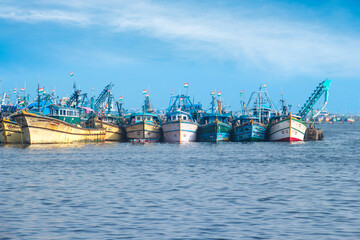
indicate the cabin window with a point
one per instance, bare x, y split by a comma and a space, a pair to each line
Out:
178, 117
56, 112
173, 118
184, 117
61, 112
148, 118
138, 118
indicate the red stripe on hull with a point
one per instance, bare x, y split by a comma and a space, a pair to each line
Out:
289, 139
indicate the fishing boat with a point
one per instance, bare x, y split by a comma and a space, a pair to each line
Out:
180, 120
248, 129
250, 126
289, 127
103, 117
144, 126
10, 132
286, 128
62, 125
215, 125
112, 125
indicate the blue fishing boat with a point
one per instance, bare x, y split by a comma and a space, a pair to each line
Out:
251, 125
215, 125
248, 129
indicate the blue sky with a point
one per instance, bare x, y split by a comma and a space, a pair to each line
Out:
225, 46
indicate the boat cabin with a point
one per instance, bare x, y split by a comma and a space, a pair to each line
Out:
243, 119
144, 117
264, 112
111, 119
279, 118
66, 114
209, 118
176, 116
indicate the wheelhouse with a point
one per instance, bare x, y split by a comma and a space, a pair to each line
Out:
180, 115
243, 119
213, 118
144, 117
66, 114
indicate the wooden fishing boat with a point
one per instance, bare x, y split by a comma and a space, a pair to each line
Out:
286, 128
61, 126
144, 126
215, 126
10, 132
179, 127
180, 124
115, 132
251, 125
248, 129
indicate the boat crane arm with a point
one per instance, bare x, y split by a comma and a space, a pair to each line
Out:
322, 88
103, 97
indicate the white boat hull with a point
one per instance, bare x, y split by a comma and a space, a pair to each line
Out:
287, 130
180, 131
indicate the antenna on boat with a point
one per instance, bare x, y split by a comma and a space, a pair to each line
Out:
38, 93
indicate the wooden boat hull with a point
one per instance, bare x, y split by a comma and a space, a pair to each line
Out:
114, 132
42, 129
143, 132
180, 131
215, 132
287, 130
249, 132
10, 132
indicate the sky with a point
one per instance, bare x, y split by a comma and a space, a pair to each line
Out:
214, 45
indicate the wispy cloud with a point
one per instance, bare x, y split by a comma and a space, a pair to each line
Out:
270, 43
34, 16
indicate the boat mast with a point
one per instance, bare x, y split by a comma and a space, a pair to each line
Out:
38, 93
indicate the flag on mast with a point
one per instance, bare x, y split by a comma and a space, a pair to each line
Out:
219, 94
22, 89
212, 93
186, 85
264, 86
71, 74
121, 98
41, 90
144, 91
15, 90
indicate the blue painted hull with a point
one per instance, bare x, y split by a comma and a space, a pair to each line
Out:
249, 132
215, 132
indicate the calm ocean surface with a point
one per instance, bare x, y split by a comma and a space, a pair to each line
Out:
190, 191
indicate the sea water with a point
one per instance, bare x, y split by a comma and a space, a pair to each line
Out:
307, 190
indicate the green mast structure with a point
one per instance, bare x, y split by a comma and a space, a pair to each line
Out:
321, 89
